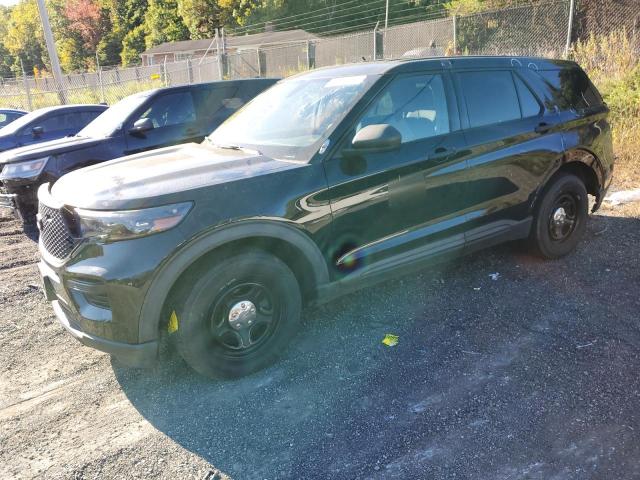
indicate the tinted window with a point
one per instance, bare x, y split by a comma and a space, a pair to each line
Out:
416, 106
171, 109
217, 102
571, 88
60, 122
77, 120
490, 97
528, 103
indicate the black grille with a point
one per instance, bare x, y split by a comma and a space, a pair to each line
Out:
54, 233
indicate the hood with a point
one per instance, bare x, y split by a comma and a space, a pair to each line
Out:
45, 149
154, 177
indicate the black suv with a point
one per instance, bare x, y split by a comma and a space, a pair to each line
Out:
325, 183
144, 121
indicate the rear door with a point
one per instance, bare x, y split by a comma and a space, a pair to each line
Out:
387, 204
173, 115
512, 141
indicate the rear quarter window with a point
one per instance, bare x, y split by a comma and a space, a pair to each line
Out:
571, 88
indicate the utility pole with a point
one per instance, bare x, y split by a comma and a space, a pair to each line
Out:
51, 48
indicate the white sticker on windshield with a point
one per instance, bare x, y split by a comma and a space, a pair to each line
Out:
345, 81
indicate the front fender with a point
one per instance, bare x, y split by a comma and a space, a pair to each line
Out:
178, 263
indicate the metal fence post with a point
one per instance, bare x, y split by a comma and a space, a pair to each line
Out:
311, 55
189, 72
26, 85
100, 79
164, 72
455, 35
219, 52
572, 7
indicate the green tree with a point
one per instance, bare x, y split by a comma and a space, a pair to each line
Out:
24, 38
5, 57
201, 17
133, 44
163, 23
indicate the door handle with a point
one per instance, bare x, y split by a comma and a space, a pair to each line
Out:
441, 154
543, 127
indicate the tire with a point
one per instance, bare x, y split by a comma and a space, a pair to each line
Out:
223, 329
560, 218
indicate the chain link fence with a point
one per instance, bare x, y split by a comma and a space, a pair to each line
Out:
537, 29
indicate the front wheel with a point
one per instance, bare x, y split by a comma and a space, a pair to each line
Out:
239, 315
561, 217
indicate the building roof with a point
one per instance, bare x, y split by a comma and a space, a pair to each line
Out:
234, 42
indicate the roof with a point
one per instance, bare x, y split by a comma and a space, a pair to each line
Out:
242, 41
412, 64
11, 110
82, 106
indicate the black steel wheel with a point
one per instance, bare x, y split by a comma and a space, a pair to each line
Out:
238, 315
561, 216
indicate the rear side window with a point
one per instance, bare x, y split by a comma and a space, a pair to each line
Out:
78, 120
528, 103
490, 97
571, 88
218, 102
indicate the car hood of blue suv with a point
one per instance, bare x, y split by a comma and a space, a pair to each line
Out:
46, 149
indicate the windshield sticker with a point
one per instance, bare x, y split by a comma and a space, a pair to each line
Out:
345, 81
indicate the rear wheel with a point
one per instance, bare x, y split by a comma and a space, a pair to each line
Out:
239, 315
561, 217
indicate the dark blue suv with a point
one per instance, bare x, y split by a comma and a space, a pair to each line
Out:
140, 122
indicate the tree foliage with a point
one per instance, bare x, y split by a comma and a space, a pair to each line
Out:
111, 32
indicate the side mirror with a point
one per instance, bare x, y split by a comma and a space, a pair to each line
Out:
141, 126
37, 131
377, 138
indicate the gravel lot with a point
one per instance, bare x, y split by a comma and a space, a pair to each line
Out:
534, 375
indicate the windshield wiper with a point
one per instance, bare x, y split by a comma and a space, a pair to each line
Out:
228, 146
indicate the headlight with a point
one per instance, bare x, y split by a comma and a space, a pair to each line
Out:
30, 169
125, 224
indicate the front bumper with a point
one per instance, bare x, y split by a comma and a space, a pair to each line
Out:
135, 355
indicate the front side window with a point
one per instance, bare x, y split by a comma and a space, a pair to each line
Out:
416, 106
293, 118
171, 109
490, 97
110, 121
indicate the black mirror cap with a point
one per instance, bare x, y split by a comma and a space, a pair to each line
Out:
377, 138
140, 126
37, 131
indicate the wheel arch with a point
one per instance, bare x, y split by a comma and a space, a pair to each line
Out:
287, 242
580, 162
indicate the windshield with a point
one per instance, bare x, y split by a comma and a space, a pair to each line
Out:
111, 120
16, 125
293, 118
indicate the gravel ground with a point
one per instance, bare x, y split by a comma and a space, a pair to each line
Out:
533, 375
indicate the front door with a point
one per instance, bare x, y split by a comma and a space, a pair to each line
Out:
389, 204
174, 121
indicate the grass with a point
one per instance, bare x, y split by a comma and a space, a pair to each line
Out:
613, 65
